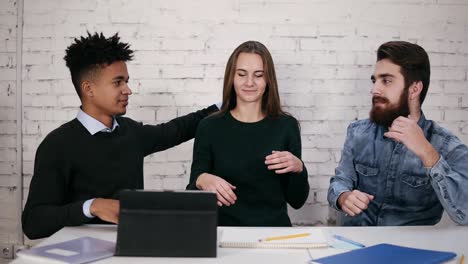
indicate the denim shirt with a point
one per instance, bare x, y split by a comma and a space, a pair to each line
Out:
405, 192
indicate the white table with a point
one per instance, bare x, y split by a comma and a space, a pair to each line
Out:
453, 238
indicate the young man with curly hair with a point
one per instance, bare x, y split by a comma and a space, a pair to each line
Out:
81, 166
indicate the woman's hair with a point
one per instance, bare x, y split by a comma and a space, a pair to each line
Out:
271, 105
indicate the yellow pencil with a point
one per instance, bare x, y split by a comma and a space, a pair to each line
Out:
462, 259
284, 237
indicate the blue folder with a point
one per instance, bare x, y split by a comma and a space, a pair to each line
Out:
387, 253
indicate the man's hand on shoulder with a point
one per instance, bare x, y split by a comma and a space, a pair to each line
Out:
353, 203
106, 209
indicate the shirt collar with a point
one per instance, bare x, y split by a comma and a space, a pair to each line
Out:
93, 125
421, 122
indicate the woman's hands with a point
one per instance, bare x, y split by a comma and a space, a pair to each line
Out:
223, 189
283, 162
279, 161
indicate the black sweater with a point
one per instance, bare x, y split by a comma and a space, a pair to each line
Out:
72, 166
236, 151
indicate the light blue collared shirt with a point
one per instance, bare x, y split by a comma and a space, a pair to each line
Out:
93, 126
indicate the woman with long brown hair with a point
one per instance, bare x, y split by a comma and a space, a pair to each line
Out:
249, 153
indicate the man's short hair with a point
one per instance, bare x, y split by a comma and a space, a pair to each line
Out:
412, 59
89, 54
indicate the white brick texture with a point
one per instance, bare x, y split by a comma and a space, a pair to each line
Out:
324, 53
8, 92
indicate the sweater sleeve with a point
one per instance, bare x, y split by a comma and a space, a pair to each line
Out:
163, 136
202, 155
47, 208
296, 185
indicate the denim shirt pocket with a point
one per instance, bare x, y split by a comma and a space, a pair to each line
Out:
417, 189
367, 178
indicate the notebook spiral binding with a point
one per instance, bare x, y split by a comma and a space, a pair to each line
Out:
271, 245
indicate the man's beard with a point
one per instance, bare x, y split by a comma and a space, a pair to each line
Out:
385, 116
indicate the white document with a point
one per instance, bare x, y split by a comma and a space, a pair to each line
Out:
76, 251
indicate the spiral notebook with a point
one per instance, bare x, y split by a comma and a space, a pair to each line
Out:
273, 238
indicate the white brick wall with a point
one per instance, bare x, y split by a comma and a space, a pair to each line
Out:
8, 210
324, 53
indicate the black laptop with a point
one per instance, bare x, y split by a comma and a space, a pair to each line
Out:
167, 224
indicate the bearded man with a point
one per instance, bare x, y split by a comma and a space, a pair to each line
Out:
397, 167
